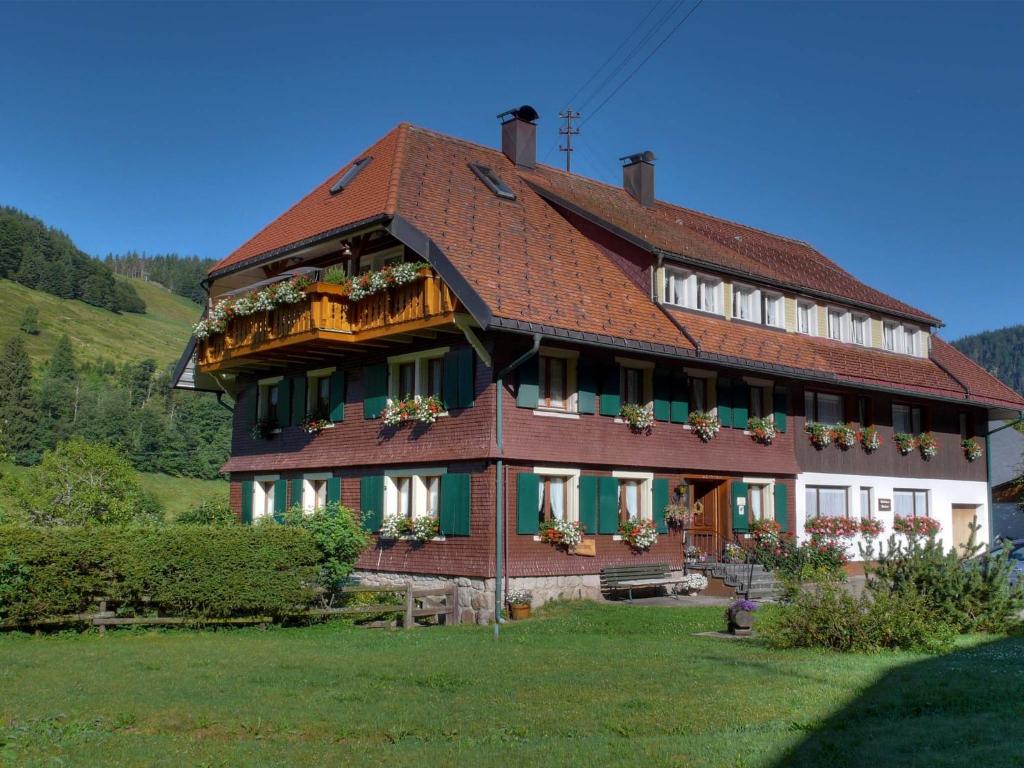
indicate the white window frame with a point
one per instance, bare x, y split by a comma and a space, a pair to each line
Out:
263, 496
810, 309
710, 389
309, 493
418, 488
685, 280
843, 321
767, 396
767, 486
420, 380
778, 301
914, 492
689, 289
912, 340
890, 336
716, 287
572, 505
866, 514
646, 486
862, 322
571, 358
748, 297
846, 499
646, 368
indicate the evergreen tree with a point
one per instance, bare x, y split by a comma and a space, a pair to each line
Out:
18, 422
30, 320
59, 393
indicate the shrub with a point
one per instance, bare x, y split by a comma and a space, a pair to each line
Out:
180, 570
212, 511
809, 561
338, 536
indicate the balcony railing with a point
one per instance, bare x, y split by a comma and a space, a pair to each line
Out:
327, 316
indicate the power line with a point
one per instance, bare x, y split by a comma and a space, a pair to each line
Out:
646, 59
614, 54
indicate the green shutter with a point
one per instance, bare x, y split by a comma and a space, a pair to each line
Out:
298, 399
586, 386
782, 506
247, 501
280, 503
337, 395
371, 502
375, 390
659, 500
527, 502
662, 394
296, 492
680, 398
781, 408
284, 402
457, 388
455, 504
611, 401
333, 489
528, 393
588, 503
739, 522
467, 388
740, 403
607, 505
724, 401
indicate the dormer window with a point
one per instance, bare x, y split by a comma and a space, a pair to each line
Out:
693, 291
745, 305
807, 318
890, 336
773, 311
837, 320
348, 176
492, 182
861, 330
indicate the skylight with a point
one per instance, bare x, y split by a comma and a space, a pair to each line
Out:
492, 182
351, 173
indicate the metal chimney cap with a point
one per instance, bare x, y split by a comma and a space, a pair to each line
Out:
526, 113
640, 157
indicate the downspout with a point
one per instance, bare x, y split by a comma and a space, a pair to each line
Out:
499, 489
671, 317
988, 469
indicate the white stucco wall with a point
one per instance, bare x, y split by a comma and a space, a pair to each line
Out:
942, 495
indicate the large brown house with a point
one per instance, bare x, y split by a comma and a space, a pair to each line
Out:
543, 303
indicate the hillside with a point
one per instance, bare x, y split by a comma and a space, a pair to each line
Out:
1000, 352
160, 333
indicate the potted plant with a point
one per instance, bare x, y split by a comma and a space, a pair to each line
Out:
928, 445
263, 429
693, 554
519, 604
734, 553
639, 534
870, 440
972, 449
705, 425
640, 418
820, 435
678, 515
561, 533
391, 527
315, 423
423, 528
408, 409
904, 443
762, 430
844, 435
691, 583
740, 617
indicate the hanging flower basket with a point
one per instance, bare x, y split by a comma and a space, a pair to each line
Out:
640, 534
972, 449
762, 430
928, 446
678, 515
640, 418
705, 425
870, 440
820, 435
561, 533
422, 409
904, 443
844, 435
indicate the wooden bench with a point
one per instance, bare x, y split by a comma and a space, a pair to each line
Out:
629, 577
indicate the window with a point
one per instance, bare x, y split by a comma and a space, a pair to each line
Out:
380, 259
759, 395
807, 318
269, 394
773, 310
699, 393
556, 380
318, 393
865, 417
911, 341
263, 497
837, 324
709, 294
675, 287
865, 503
906, 419
413, 493
554, 498
823, 407
492, 182
634, 495
686, 289
965, 431
823, 501
348, 176
862, 330
314, 493
635, 381
910, 503
759, 502
889, 336
418, 373
745, 304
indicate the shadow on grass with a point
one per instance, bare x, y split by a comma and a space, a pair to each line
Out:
963, 708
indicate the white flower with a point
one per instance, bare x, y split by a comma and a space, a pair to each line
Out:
390, 527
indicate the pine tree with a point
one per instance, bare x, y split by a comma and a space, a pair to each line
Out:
30, 320
18, 424
58, 395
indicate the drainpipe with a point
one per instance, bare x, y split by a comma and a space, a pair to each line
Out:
499, 489
988, 469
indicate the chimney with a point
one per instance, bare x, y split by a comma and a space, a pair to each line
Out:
519, 135
638, 177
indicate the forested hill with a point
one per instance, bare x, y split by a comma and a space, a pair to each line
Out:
179, 274
999, 352
45, 259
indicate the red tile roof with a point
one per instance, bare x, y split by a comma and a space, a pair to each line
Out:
535, 270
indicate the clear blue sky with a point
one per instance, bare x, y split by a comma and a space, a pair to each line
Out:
888, 135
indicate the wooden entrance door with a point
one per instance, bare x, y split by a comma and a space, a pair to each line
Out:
711, 523
963, 516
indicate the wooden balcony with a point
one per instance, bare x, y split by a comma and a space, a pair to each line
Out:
327, 320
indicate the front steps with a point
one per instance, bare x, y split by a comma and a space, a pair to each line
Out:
745, 580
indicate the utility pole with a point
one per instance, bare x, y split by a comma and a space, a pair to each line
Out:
568, 131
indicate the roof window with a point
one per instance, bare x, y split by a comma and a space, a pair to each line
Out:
492, 182
350, 174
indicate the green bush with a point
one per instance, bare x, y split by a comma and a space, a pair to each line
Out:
798, 562
212, 511
178, 570
339, 537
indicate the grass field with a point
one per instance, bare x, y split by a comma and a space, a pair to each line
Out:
175, 494
160, 333
585, 684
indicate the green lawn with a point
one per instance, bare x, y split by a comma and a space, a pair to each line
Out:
585, 684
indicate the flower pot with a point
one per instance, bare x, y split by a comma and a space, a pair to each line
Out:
519, 611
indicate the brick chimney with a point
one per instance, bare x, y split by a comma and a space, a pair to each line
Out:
519, 135
638, 177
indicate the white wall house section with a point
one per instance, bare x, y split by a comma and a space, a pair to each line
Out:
942, 497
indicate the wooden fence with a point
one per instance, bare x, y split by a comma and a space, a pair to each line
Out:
415, 603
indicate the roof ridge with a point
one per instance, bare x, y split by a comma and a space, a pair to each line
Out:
391, 204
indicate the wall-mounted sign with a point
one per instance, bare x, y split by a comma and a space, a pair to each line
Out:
586, 548
885, 505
